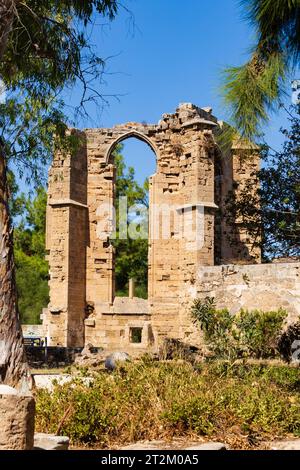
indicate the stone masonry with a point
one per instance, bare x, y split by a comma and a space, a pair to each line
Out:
193, 177
17, 412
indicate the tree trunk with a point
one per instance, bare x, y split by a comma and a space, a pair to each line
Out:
14, 370
7, 14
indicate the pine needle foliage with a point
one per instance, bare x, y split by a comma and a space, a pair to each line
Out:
254, 89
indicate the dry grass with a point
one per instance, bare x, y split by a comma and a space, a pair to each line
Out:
242, 405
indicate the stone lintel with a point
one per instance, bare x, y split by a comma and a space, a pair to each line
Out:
198, 204
67, 202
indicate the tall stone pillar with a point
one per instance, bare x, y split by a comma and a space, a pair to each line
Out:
66, 242
184, 184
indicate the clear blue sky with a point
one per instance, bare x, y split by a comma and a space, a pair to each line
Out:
175, 53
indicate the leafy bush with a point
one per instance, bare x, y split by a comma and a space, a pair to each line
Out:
246, 334
259, 331
154, 400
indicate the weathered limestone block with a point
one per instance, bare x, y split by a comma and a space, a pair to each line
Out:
50, 442
16, 419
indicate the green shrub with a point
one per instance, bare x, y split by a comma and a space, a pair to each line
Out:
217, 326
245, 334
259, 331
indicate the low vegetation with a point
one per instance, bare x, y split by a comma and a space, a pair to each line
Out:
240, 404
246, 334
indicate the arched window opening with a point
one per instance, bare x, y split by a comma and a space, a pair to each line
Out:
134, 162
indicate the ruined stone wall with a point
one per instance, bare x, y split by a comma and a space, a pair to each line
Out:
265, 287
83, 307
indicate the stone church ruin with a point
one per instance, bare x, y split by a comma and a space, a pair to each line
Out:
212, 259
